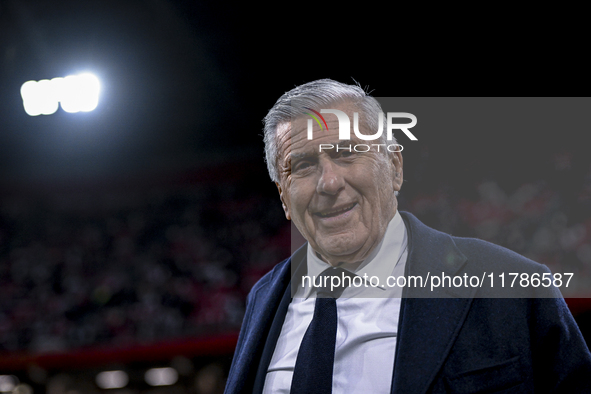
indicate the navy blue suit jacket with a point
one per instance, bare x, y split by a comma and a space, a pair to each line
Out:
464, 342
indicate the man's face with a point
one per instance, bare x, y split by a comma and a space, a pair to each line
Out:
340, 201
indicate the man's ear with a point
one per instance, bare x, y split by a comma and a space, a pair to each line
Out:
396, 158
283, 204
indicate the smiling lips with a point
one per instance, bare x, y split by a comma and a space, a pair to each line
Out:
335, 212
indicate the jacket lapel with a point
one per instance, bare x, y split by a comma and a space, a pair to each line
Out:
271, 341
429, 320
261, 308
267, 308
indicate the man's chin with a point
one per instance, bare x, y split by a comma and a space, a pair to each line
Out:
344, 251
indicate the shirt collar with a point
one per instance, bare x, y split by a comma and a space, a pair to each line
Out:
377, 263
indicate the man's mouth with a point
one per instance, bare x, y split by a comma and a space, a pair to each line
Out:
335, 212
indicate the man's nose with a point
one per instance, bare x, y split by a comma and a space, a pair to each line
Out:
331, 178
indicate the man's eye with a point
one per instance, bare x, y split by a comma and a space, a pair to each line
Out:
346, 153
302, 166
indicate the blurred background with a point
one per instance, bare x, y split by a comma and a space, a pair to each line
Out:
131, 234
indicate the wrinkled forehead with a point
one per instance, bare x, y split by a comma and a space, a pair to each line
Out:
293, 135
324, 125
319, 120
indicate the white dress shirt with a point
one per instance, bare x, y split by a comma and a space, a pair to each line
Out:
367, 322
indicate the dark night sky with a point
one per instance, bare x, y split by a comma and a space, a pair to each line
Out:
187, 83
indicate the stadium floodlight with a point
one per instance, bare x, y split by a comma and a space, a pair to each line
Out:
75, 93
8, 383
161, 376
112, 379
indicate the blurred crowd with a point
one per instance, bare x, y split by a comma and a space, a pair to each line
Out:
127, 267
134, 265
546, 218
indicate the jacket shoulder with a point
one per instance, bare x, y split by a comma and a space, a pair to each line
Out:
269, 277
496, 256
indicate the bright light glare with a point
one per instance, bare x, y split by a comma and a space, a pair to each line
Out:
7, 383
75, 93
112, 379
161, 376
23, 388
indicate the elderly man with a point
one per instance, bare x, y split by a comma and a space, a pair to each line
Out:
303, 333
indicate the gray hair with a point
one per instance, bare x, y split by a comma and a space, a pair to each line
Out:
315, 94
